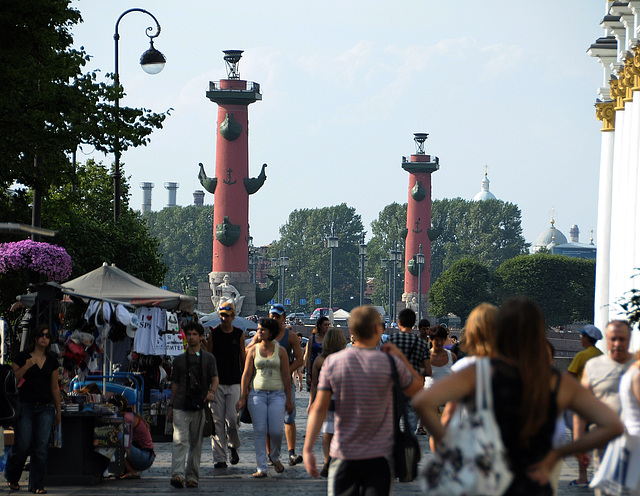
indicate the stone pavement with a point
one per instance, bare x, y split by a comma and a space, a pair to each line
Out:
237, 479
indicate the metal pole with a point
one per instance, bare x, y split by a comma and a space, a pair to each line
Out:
331, 282
116, 111
395, 290
419, 289
361, 279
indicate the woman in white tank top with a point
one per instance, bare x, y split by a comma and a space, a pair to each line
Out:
266, 369
441, 359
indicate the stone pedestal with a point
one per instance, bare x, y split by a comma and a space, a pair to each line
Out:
410, 300
242, 282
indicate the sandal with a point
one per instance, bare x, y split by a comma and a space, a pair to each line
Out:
129, 475
39, 491
13, 486
177, 482
575, 483
278, 467
192, 483
259, 474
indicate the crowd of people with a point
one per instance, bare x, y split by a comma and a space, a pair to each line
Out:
351, 391
351, 403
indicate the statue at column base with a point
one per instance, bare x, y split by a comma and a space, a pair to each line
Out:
226, 292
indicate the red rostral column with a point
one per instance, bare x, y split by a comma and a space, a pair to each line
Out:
232, 185
420, 167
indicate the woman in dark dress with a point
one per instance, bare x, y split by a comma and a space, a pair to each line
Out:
40, 402
527, 395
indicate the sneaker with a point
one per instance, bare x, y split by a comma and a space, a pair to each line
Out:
220, 465
294, 459
234, 458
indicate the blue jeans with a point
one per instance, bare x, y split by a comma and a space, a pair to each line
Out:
267, 414
32, 434
140, 459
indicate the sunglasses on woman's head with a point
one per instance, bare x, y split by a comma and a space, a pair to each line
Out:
225, 308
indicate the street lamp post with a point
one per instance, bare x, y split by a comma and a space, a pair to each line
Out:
283, 263
394, 258
420, 262
363, 254
332, 244
152, 62
384, 263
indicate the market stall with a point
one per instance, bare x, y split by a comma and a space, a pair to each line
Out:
120, 341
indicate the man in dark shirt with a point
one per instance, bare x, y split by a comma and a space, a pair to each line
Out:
227, 345
193, 384
415, 350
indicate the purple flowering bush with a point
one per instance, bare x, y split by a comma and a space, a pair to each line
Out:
49, 260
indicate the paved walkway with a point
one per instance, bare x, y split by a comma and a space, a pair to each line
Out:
237, 479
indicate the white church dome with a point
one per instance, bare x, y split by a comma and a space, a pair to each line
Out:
484, 193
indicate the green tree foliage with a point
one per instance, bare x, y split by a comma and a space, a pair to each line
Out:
630, 303
563, 286
48, 105
387, 235
489, 231
185, 235
302, 239
82, 212
460, 288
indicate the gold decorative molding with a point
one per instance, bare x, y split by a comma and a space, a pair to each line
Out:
617, 92
636, 69
606, 113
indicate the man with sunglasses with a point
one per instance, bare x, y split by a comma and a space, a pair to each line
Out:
226, 343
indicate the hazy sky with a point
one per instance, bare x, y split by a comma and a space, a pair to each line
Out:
345, 85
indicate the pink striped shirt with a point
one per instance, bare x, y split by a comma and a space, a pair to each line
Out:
361, 382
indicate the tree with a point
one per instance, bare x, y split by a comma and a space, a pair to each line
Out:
460, 288
302, 239
387, 234
185, 236
48, 106
489, 231
564, 287
81, 212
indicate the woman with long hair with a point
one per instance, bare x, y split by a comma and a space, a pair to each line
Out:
527, 395
478, 340
266, 370
334, 341
37, 368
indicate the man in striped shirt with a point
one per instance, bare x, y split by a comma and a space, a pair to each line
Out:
361, 382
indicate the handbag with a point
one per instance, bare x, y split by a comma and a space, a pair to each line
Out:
619, 470
209, 427
406, 449
472, 459
245, 416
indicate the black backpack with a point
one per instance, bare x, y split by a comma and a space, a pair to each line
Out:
9, 399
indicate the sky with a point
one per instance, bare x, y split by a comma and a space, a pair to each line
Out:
345, 84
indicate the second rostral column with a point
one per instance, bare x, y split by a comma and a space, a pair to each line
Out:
232, 187
420, 235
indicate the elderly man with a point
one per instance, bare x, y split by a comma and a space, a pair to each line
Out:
602, 376
226, 343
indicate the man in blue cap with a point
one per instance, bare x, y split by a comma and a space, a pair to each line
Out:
589, 336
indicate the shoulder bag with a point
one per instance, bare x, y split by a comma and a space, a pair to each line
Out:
209, 427
406, 449
619, 470
471, 459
